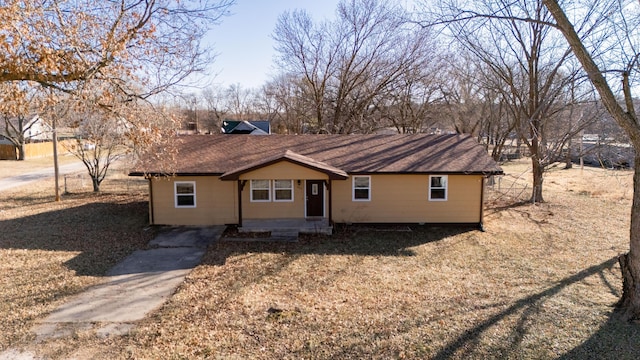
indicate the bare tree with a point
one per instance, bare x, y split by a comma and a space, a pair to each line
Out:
239, 101
621, 58
216, 107
498, 124
266, 105
21, 123
292, 111
462, 96
348, 63
409, 104
531, 61
100, 140
107, 132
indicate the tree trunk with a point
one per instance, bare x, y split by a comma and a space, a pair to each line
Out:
21, 151
629, 263
568, 163
538, 171
96, 184
538, 177
629, 303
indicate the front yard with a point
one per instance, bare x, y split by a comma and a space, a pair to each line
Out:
540, 282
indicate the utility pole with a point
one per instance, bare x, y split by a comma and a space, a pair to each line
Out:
55, 157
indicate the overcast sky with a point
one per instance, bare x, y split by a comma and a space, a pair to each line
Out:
243, 40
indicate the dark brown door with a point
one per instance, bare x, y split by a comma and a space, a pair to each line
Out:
315, 198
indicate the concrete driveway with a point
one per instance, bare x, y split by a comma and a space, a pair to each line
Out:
18, 180
141, 283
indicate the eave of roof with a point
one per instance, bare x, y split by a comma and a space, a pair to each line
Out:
158, 173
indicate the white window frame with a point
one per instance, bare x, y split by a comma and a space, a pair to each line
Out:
445, 188
275, 190
268, 188
176, 195
353, 188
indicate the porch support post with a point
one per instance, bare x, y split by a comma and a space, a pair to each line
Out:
328, 183
151, 199
241, 184
481, 224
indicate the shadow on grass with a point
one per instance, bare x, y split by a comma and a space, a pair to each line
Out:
615, 340
347, 240
493, 207
104, 229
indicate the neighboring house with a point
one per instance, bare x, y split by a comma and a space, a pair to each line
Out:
34, 129
24, 137
254, 127
221, 179
5, 141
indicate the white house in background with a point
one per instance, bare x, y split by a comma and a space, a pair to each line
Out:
34, 130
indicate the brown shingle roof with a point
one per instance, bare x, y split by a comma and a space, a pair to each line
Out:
288, 155
359, 154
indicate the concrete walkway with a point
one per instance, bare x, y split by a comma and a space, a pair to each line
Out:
138, 285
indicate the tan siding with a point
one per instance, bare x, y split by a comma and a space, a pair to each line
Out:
216, 202
404, 198
274, 209
284, 170
394, 198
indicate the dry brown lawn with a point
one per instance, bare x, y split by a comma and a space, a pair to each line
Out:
539, 283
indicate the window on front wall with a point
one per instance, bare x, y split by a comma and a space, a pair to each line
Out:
282, 190
438, 188
361, 188
260, 190
185, 194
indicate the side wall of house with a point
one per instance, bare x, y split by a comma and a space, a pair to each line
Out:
216, 202
405, 198
394, 199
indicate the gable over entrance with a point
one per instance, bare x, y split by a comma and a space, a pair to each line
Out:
289, 157
287, 185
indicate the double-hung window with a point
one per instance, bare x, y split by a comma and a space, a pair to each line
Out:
185, 194
282, 190
438, 188
260, 190
361, 188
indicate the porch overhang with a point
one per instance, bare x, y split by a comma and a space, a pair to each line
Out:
332, 172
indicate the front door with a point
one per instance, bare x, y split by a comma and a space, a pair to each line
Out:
315, 198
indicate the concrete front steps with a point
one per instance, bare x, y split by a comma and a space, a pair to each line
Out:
287, 229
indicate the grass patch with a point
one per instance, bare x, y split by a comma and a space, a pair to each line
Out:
51, 250
538, 283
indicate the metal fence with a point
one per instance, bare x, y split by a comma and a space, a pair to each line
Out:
116, 181
515, 188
